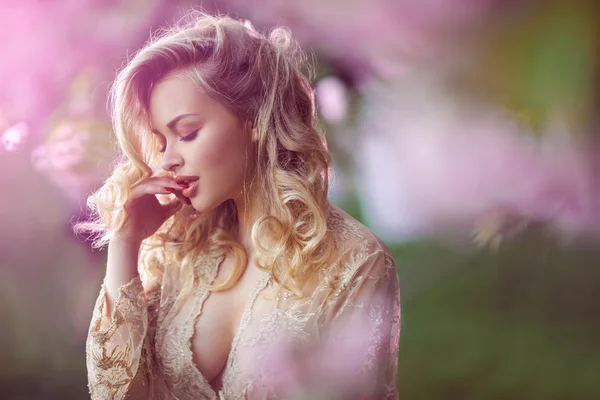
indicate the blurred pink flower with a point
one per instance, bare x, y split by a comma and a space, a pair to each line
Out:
371, 33
46, 43
332, 98
14, 136
75, 157
431, 165
332, 367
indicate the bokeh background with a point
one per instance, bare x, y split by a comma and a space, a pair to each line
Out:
464, 132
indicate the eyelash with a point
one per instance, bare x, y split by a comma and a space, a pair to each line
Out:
186, 138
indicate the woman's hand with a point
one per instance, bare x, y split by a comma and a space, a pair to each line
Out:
144, 212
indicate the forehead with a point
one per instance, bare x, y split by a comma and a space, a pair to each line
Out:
175, 95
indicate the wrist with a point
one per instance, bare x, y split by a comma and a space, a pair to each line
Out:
125, 240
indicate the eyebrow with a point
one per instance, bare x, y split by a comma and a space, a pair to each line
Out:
175, 121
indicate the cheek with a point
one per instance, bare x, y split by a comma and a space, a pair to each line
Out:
221, 155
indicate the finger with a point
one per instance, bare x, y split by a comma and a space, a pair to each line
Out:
148, 188
167, 182
177, 192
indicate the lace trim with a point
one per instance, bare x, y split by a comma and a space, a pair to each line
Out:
130, 293
192, 382
112, 367
342, 229
186, 381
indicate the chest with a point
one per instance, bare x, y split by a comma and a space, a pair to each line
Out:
221, 337
219, 319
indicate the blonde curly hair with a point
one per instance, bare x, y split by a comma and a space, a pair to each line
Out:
259, 78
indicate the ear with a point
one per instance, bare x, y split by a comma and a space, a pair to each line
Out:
253, 132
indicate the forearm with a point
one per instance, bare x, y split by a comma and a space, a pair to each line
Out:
116, 361
121, 267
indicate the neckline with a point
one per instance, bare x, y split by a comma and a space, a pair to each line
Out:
201, 295
242, 325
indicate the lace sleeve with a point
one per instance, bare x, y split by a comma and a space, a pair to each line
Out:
119, 349
364, 331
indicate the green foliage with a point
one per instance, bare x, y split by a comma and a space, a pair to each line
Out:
520, 324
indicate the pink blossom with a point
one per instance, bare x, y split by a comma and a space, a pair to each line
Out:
429, 165
75, 157
14, 136
332, 98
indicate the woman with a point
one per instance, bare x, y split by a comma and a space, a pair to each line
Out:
229, 274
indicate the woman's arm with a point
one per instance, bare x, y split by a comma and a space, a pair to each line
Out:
364, 332
355, 355
120, 344
371, 318
119, 347
121, 267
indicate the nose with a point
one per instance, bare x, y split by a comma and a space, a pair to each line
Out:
171, 161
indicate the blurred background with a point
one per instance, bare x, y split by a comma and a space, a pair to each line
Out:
464, 132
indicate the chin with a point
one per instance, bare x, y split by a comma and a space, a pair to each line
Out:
197, 205
201, 205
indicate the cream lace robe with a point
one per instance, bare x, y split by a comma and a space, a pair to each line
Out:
339, 343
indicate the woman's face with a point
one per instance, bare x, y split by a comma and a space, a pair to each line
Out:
204, 143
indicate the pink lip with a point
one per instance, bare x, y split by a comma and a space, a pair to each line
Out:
185, 179
190, 190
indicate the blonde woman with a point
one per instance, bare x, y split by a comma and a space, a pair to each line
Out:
229, 274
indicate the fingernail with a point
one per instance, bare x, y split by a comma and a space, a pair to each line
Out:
187, 200
169, 189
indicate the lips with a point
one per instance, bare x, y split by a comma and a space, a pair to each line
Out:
185, 179
191, 189
190, 181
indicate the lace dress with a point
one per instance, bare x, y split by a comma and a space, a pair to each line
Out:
341, 342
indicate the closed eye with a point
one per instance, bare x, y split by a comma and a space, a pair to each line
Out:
189, 137
186, 138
